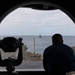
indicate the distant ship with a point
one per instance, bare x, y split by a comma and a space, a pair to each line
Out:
36, 55
40, 36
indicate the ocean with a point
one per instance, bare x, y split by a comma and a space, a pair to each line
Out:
41, 43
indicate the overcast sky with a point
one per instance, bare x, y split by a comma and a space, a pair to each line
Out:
26, 21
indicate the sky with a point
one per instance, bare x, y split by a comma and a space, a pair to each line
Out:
27, 21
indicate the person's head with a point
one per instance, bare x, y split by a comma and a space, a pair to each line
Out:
57, 39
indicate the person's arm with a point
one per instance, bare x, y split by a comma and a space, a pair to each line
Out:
44, 61
72, 54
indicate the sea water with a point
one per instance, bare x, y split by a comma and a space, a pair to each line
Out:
43, 42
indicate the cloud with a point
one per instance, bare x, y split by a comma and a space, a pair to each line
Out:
25, 21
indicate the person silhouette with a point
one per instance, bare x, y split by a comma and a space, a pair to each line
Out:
58, 59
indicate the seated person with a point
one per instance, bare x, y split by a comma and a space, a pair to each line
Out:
58, 59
